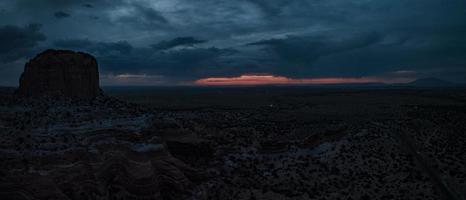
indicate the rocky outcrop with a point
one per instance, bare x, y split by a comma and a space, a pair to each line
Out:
60, 73
100, 164
190, 148
87, 149
112, 171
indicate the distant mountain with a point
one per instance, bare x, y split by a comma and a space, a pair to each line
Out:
430, 82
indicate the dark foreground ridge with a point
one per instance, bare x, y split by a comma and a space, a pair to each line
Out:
60, 73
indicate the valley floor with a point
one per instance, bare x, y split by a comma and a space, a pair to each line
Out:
237, 144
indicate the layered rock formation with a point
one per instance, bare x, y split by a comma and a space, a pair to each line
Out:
113, 169
98, 149
60, 73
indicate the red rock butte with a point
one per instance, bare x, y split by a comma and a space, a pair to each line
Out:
60, 73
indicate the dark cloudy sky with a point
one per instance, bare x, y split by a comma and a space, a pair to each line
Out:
180, 41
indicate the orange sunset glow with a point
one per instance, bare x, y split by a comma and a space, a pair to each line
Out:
281, 80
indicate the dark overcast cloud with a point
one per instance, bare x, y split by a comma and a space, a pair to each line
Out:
88, 5
182, 40
61, 14
98, 48
17, 42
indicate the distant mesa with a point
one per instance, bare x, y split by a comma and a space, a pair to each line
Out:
60, 73
430, 82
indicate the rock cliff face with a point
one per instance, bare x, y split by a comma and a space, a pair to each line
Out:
60, 73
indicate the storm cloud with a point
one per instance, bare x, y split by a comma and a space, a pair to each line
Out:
102, 48
303, 50
61, 14
182, 40
17, 42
